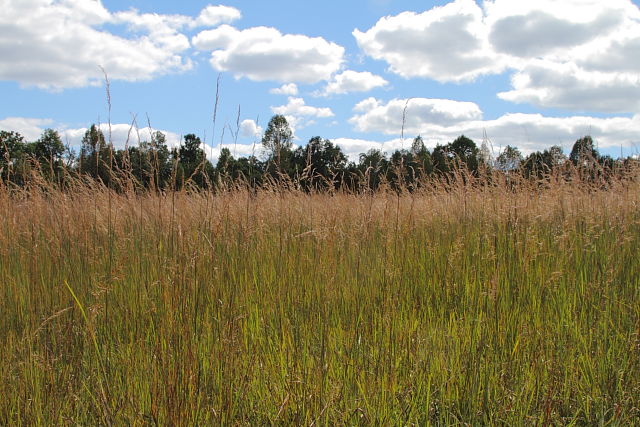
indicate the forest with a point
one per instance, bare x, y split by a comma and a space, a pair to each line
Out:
316, 166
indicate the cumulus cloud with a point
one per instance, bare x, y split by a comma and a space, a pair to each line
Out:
30, 128
567, 86
391, 118
529, 132
532, 132
447, 44
353, 147
286, 89
581, 55
250, 129
263, 53
433, 120
211, 16
300, 115
544, 27
354, 81
619, 56
297, 107
60, 44
122, 134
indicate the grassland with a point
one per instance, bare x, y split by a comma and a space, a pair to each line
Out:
487, 305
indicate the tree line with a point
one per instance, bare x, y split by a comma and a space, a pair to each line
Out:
318, 165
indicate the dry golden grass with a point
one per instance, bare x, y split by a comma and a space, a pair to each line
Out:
512, 303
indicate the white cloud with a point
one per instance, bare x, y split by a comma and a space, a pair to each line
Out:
285, 89
353, 81
237, 151
250, 129
528, 132
211, 16
61, 44
420, 112
263, 53
532, 132
621, 55
353, 147
447, 44
300, 115
30, 128
218, 38
163, 29
532, 29
297, 107
580, 55
122, 134
549, 84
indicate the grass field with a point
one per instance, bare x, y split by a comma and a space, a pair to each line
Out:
467, 306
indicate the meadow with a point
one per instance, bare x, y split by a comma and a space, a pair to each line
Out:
452, 304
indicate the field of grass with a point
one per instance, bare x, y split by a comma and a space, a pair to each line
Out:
470, 305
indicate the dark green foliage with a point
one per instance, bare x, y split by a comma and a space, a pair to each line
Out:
12, 157
461, 152
48, 148
540, 164
193, 165
151, 163
96, 158
319, 164
373, 167
245, 170
584, 152
48, 151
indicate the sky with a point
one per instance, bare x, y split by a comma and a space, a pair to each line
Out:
362, 73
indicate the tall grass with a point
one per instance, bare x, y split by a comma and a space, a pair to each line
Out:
480, 305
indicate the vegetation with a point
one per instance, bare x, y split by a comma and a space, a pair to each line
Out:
452, 303
317, 166
148, 287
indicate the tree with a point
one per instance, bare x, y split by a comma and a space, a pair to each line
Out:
12, 149
462, 151
159, 158
277, 138
584, 152
49, 147
193, 161
421, 163
539, 164
48, 151
225, 161
417, 146
554, 156
319, 162
91, 153
373, 167
509, 159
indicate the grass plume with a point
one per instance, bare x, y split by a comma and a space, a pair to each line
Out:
455, 303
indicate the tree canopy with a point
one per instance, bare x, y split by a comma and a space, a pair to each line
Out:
319, 164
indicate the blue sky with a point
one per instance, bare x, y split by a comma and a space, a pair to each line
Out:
529, 74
